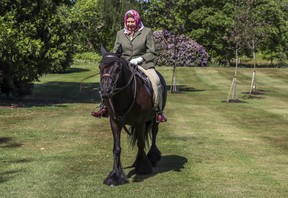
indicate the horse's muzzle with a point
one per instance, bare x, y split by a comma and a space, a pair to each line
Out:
106, 92
107, 86
106, 96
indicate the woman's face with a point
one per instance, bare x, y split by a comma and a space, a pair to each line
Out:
131, 24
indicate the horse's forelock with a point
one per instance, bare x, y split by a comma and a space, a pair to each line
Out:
109, 58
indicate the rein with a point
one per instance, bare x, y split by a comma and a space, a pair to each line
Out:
118, 90
81, 83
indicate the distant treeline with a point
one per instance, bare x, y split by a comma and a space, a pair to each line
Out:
38, 37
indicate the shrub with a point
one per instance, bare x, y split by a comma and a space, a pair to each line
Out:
186, 53
87, 57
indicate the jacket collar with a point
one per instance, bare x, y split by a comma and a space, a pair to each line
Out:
136, 34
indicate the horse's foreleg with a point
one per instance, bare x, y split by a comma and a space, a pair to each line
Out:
154, 154
142, 163
117, 175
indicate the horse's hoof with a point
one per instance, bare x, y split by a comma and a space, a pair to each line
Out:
144, 168
142, 164
154, 156
154, 160
116, 178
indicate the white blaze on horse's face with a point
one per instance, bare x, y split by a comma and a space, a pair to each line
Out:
131, 24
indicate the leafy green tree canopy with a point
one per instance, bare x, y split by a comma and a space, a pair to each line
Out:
35, 38
96, 22
210, 23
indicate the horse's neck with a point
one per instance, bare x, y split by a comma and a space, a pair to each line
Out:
126, 75
125, 97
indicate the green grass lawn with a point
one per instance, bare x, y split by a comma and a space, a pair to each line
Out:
50, 146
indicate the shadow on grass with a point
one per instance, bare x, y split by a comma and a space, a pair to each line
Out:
233, 101
74, 70
55, 93
166, 164
8, 143
5, 140
7, 175
254, 95
184, 88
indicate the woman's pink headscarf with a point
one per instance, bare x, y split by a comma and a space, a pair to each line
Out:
136, 16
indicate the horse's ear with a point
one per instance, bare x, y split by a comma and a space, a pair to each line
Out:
119, 51
103, 50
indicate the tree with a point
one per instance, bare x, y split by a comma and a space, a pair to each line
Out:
95, 22
208, 23
275, 15
34, 39
238, 37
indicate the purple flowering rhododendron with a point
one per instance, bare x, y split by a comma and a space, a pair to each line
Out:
183, 50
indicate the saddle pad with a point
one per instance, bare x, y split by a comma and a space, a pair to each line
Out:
146, 80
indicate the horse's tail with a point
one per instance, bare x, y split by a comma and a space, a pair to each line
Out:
147, 135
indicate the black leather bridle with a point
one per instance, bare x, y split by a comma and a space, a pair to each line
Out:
107, 61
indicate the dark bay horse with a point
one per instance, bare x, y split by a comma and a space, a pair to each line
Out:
129, 103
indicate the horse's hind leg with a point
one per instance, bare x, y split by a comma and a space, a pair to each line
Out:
142, 163
154, 154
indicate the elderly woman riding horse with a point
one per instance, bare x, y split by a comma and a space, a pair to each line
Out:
127, 97
138, 47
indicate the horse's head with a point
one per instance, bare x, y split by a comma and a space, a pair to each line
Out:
110, 72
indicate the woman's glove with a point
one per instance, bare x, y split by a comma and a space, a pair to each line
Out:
136, 61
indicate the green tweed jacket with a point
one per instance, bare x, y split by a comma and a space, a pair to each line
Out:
141, 45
